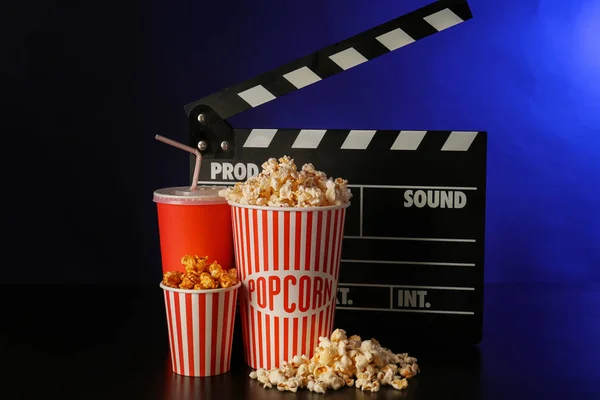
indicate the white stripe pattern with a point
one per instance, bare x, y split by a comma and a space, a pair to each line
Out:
273, 361
323, 235
195, 349
256, 95
267, 342
361, 139
282, 341
348, 58
358, 140
229, 334
301, 335
259, 239
175, 333
292, 228
280, 239
270, 242
255, 343
395, 39
208, 330
307, 335
313, 239
252, 338
459, 141
443, 19
408, 140
303, 228
265, 339
169, 323
330, 240
184, 341
302, 77
252, 263
245, 250
196, 334
220, 332
309, 139
260, 138
290, 339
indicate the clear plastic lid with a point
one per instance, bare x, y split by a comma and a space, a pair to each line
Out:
203, 195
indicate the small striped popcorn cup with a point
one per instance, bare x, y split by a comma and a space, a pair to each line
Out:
288, 260
200, 324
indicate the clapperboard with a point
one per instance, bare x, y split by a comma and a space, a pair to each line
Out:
413, 249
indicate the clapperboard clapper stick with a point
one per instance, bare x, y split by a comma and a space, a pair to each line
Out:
413, 250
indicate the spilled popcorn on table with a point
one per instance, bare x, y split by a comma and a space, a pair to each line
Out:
341, 361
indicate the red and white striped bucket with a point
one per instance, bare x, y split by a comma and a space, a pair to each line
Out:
200, 326
288, 260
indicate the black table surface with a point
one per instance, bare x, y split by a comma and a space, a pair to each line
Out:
93, 342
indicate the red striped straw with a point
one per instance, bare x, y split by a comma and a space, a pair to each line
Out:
189, 149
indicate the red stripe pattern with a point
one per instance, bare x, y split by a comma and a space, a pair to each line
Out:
200, 326
288, 262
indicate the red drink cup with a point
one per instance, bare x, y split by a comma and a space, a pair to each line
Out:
200, 324
193, 222
288, 261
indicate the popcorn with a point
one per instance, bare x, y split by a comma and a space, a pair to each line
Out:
368, 385
173, 279
225, 280
288, 371
349, 381
319, 387
321, 370
386, 375
200, 275
233, 274
290, 385
415, 368
189, 281
361, 361
215, 269
302, 371
275, 376
328, 355
344, 365
280, 184
341, 361
338, 334
407, 372
262, 375
410, 360
400, 384
332, 380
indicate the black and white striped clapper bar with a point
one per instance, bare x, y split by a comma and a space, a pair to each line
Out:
413, 252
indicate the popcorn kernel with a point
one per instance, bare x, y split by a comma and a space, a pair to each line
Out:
172, 279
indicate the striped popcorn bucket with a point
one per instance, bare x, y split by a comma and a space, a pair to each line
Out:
288, 260
200, 324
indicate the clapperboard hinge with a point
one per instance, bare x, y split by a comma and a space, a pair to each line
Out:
429, 244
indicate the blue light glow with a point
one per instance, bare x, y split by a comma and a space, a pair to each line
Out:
527, 71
